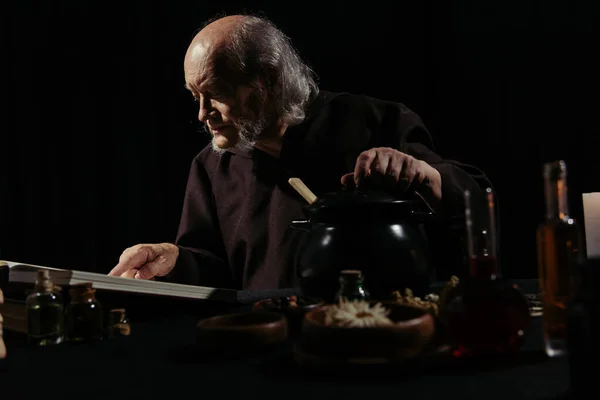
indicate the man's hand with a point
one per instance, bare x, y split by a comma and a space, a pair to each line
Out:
2, 346
145, 261
396, 171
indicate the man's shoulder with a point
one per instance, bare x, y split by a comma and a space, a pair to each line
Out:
207, 157
206, 154
361, 102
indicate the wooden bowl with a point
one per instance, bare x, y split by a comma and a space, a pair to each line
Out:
293, 314
241, 333
411, 333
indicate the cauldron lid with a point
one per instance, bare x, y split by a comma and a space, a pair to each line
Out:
356, 204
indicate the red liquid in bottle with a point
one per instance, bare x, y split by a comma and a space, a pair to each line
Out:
483, 267
485, 315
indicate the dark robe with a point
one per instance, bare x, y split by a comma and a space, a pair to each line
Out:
234, 230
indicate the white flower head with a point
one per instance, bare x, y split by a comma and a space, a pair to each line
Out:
357, 314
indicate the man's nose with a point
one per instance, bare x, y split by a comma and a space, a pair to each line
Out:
205, 109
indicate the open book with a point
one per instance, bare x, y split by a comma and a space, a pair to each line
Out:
26, 273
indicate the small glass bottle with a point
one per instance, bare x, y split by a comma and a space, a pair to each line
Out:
559, 250
45, 310
483, 314
351, 286
84, 314
118, 324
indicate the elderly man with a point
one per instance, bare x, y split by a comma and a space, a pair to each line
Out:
269, 121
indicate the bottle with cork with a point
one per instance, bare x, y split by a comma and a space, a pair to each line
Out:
45, 310
351, 286
118, 323
559, 252
84, 314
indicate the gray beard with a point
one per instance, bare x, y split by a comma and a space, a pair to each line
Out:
248, 131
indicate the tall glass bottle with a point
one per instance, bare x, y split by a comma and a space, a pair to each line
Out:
558, 251
483, 314
45, 311
351, 286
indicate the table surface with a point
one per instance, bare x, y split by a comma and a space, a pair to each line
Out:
157, 361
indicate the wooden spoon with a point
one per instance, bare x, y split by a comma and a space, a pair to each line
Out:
303, 190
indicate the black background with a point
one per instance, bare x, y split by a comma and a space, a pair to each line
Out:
98, 131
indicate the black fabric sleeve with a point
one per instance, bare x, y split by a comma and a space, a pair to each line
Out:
202, 259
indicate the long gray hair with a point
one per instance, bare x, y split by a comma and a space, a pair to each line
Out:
259, 50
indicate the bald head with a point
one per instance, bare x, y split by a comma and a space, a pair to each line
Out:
211, 42
221, 28
249, 51
214, 36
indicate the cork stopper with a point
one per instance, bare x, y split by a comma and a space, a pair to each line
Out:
351, 276
43, 283
351, 273
117, 314
43, 274
82, 292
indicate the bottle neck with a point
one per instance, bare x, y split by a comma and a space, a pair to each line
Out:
350, 285
555, 191
481, 239
86, 298
116, 316
82, 294
44, 286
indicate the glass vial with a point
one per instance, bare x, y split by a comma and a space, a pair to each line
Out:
118, 324
84, 314
481, 240
351, 286
558, 252
45, 310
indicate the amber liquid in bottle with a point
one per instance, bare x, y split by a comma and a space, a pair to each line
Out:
558, 250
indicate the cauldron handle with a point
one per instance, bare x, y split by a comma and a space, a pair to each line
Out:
302, 225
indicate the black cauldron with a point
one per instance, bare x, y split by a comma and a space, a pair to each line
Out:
374, 232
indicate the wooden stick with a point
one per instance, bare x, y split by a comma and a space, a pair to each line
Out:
303, 190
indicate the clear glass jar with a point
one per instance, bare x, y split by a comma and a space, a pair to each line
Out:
84, 314
45, 312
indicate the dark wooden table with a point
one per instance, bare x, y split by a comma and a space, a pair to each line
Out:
157, 361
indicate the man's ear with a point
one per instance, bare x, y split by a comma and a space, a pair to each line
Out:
269, 78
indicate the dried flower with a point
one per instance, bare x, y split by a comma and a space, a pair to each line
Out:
432, 302
429, 303
357, 314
